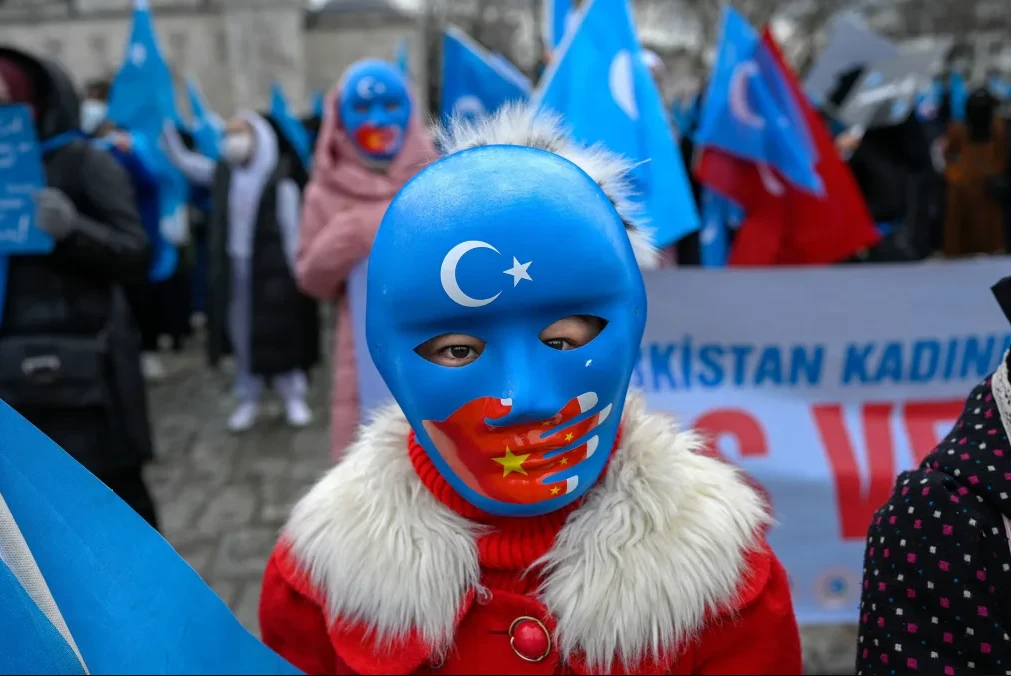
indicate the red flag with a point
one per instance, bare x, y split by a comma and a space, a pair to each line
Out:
784, 225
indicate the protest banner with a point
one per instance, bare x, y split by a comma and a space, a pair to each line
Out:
21, 176
822, 384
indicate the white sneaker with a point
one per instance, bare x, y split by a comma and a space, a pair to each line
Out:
152, 367
297, 412
244, 417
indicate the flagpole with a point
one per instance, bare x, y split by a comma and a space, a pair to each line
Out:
559, 54
548, 25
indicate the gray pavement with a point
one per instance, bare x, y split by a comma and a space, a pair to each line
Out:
223, 497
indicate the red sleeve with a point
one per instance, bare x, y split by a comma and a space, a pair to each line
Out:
291, 623
761, 636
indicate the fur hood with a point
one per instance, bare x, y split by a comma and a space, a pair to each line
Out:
658, 545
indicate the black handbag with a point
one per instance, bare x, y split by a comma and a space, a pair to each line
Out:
53, 371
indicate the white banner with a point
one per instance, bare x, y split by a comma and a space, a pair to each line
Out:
822, 384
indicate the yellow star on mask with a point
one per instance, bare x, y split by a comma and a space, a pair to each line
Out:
555, 490
568, 437
564, 461
512, 463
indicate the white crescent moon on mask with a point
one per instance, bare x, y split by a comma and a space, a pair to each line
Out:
364, 87
738, 95
449, 283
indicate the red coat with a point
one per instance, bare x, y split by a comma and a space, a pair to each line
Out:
343, 556
761, 639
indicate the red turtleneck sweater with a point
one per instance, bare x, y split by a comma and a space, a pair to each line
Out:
511, 544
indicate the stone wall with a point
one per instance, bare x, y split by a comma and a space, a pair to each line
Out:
234, 52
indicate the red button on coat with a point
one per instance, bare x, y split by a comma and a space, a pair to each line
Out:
529, 639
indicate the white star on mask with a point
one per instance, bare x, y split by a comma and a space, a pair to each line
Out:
519, 271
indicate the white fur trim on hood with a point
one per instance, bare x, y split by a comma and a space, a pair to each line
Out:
522, 125
660, 541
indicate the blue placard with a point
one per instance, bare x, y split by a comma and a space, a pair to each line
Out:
21, 176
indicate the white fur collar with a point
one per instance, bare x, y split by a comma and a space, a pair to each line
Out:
656, 544
1001, 388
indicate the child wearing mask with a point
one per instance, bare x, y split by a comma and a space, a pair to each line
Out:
254, 234
518, 510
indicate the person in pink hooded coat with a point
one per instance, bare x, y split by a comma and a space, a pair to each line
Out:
371, 142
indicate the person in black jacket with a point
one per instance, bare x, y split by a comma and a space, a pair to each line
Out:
254, 304
937, 565
69, 353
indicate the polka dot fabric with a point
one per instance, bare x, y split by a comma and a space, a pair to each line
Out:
937, 568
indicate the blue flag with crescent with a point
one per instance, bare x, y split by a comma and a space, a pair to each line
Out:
141, 100
627, 115
474, 83
87, 586
142, 95
749, 111
207, 127
290, 126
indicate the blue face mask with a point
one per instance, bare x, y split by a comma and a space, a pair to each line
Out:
500, 243
375, 108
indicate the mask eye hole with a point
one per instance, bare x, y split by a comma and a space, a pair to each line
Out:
360, 108
451, 349
570, 333
391, 106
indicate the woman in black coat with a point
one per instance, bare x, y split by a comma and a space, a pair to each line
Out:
254, 305
69, 354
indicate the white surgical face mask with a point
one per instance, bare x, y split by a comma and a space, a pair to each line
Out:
237, 147
93, 113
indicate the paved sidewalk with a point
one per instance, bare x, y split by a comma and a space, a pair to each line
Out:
222, 497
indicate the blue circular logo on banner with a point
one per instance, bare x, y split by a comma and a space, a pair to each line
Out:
837, 588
